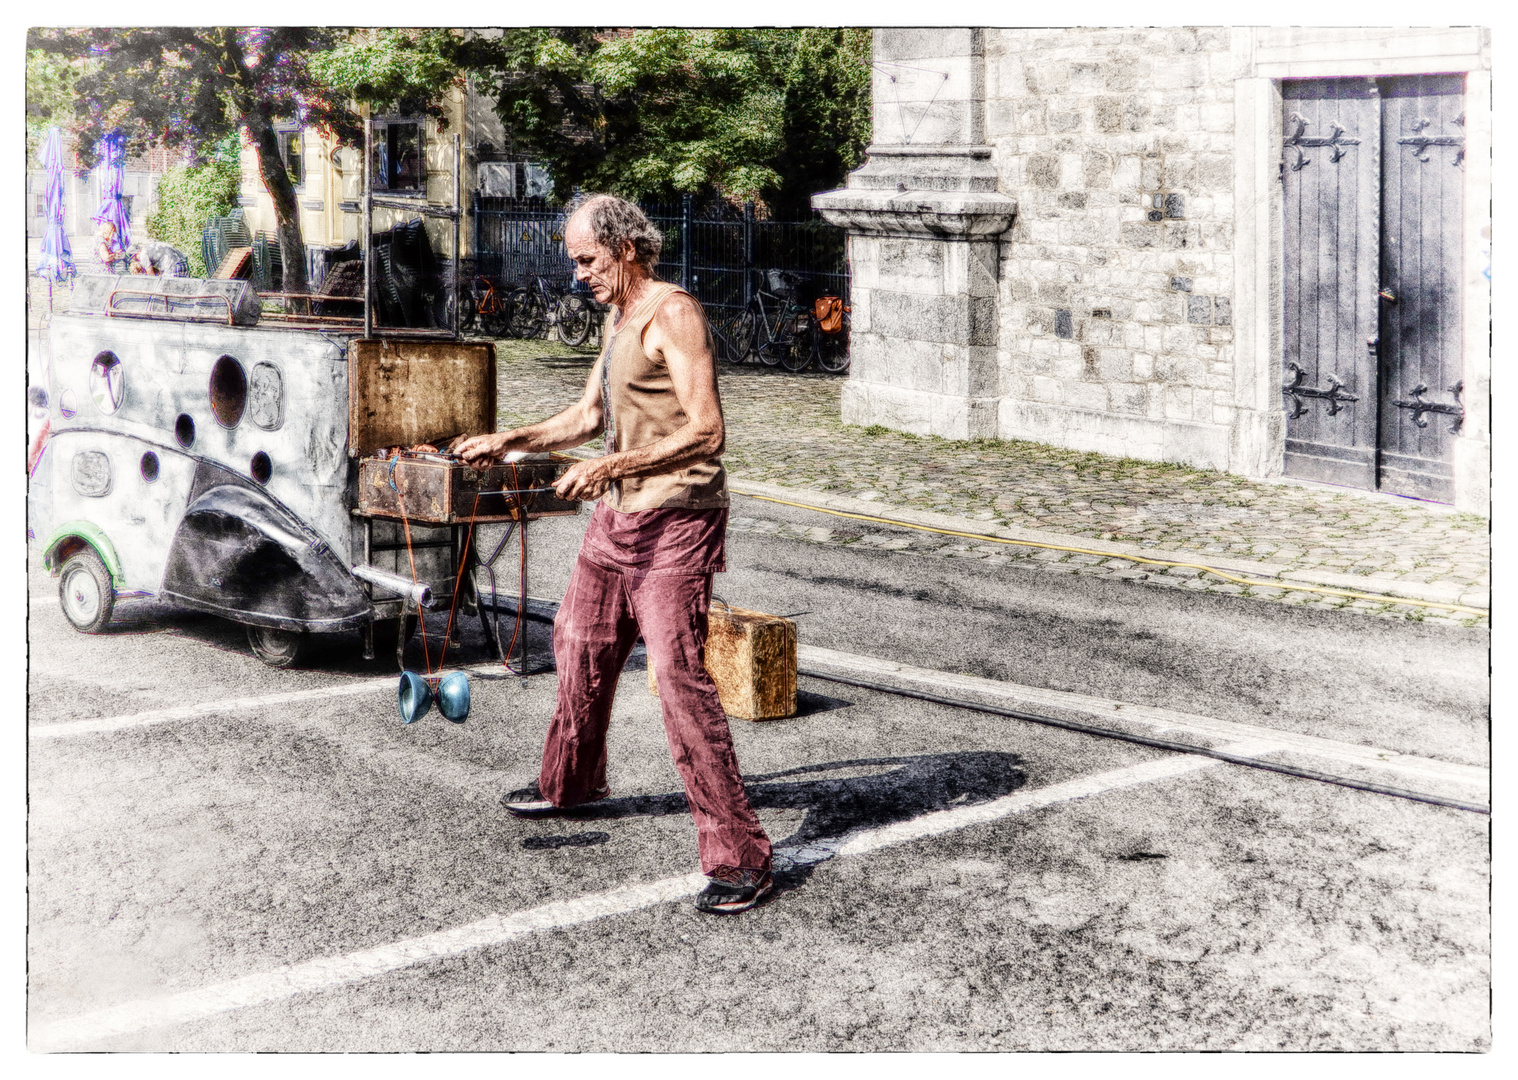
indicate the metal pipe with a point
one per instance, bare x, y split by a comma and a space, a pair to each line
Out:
458, 209
368, 227
419, 592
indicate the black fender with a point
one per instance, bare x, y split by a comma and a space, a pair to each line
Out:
240, 554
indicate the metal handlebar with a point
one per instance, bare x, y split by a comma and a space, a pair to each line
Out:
110, 301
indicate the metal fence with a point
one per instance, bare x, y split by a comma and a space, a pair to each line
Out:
714, 258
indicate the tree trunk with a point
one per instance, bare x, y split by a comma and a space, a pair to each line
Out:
271, 168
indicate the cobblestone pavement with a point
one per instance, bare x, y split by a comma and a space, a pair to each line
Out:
784, 429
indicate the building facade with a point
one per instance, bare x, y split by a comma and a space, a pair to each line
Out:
1265, 251
413, 159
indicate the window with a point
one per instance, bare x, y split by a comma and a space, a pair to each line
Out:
398, 164
291, 153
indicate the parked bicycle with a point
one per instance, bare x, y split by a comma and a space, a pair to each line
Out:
830, 334
732, 338
543, 306
485, 307
780, 324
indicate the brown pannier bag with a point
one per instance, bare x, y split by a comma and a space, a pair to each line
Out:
828, 311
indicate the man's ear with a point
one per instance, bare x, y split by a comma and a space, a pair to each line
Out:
629, 251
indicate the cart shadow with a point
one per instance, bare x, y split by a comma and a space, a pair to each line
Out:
841, 797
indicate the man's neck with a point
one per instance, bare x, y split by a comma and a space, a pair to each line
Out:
637, 292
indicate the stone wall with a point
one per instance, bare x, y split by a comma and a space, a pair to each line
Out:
1117, 276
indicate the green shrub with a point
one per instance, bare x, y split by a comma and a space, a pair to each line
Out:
187, 196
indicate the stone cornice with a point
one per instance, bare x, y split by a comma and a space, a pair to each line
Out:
963, 215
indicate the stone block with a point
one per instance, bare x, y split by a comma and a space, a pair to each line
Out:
1114, 365
1139, 235
921, 318
1143, 366
1042, 170
912, 265
1045, 77
1214, 172
1199, 309
892, 43
1097, 168
1086, 395
1087, 77
1047, 389
1177, 402
1066, 119
1127, 398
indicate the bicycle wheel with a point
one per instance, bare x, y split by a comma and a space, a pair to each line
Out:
573, 320
831, 351
799, 356
495, 315
745, 335
529, 318
771, 343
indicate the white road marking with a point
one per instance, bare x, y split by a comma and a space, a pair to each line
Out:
326, 973
1118, 714
204, 709
1123, 715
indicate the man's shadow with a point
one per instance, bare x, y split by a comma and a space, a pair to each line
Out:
879, 791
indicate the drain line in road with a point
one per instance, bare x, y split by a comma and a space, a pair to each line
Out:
1152, 741
332, 972
987, 538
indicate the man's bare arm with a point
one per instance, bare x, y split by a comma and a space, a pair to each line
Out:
574, 426
678, 333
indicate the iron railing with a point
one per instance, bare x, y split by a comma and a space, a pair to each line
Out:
713, 257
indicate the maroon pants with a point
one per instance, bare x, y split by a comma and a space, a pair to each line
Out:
649, 571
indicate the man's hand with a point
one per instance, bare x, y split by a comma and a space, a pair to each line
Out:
481, 450
585, 480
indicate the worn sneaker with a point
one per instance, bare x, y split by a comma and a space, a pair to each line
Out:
530, 802
733, 889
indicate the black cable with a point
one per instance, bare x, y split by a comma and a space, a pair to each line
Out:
1159, 744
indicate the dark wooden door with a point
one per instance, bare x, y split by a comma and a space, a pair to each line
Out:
1372, 174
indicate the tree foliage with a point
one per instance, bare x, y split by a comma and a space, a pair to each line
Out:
764, 114
193, 86
190, 194
49, 97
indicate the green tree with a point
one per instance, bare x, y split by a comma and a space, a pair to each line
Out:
189, 194
193, 86
764, 114
49, 97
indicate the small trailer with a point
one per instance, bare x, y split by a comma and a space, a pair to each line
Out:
227, 466
243, 463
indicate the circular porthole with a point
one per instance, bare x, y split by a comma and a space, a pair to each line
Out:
107, 382
149, 466
261, 467
68, 407
184, 430
229, 391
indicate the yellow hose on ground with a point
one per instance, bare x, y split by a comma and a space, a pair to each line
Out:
1131, 558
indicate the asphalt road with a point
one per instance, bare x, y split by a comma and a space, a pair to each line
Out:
306, 873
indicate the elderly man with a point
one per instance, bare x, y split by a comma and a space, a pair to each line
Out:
652, 545
157, 259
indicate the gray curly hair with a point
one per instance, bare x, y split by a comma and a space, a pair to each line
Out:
614, 222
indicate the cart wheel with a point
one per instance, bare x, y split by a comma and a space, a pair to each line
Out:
85, 592
277, 648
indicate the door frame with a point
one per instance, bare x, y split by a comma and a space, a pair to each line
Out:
1262, 58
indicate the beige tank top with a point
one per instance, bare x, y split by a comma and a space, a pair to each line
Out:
640, 407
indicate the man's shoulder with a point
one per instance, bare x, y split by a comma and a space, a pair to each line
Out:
679, 311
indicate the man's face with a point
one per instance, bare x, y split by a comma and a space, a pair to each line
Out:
608, 276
